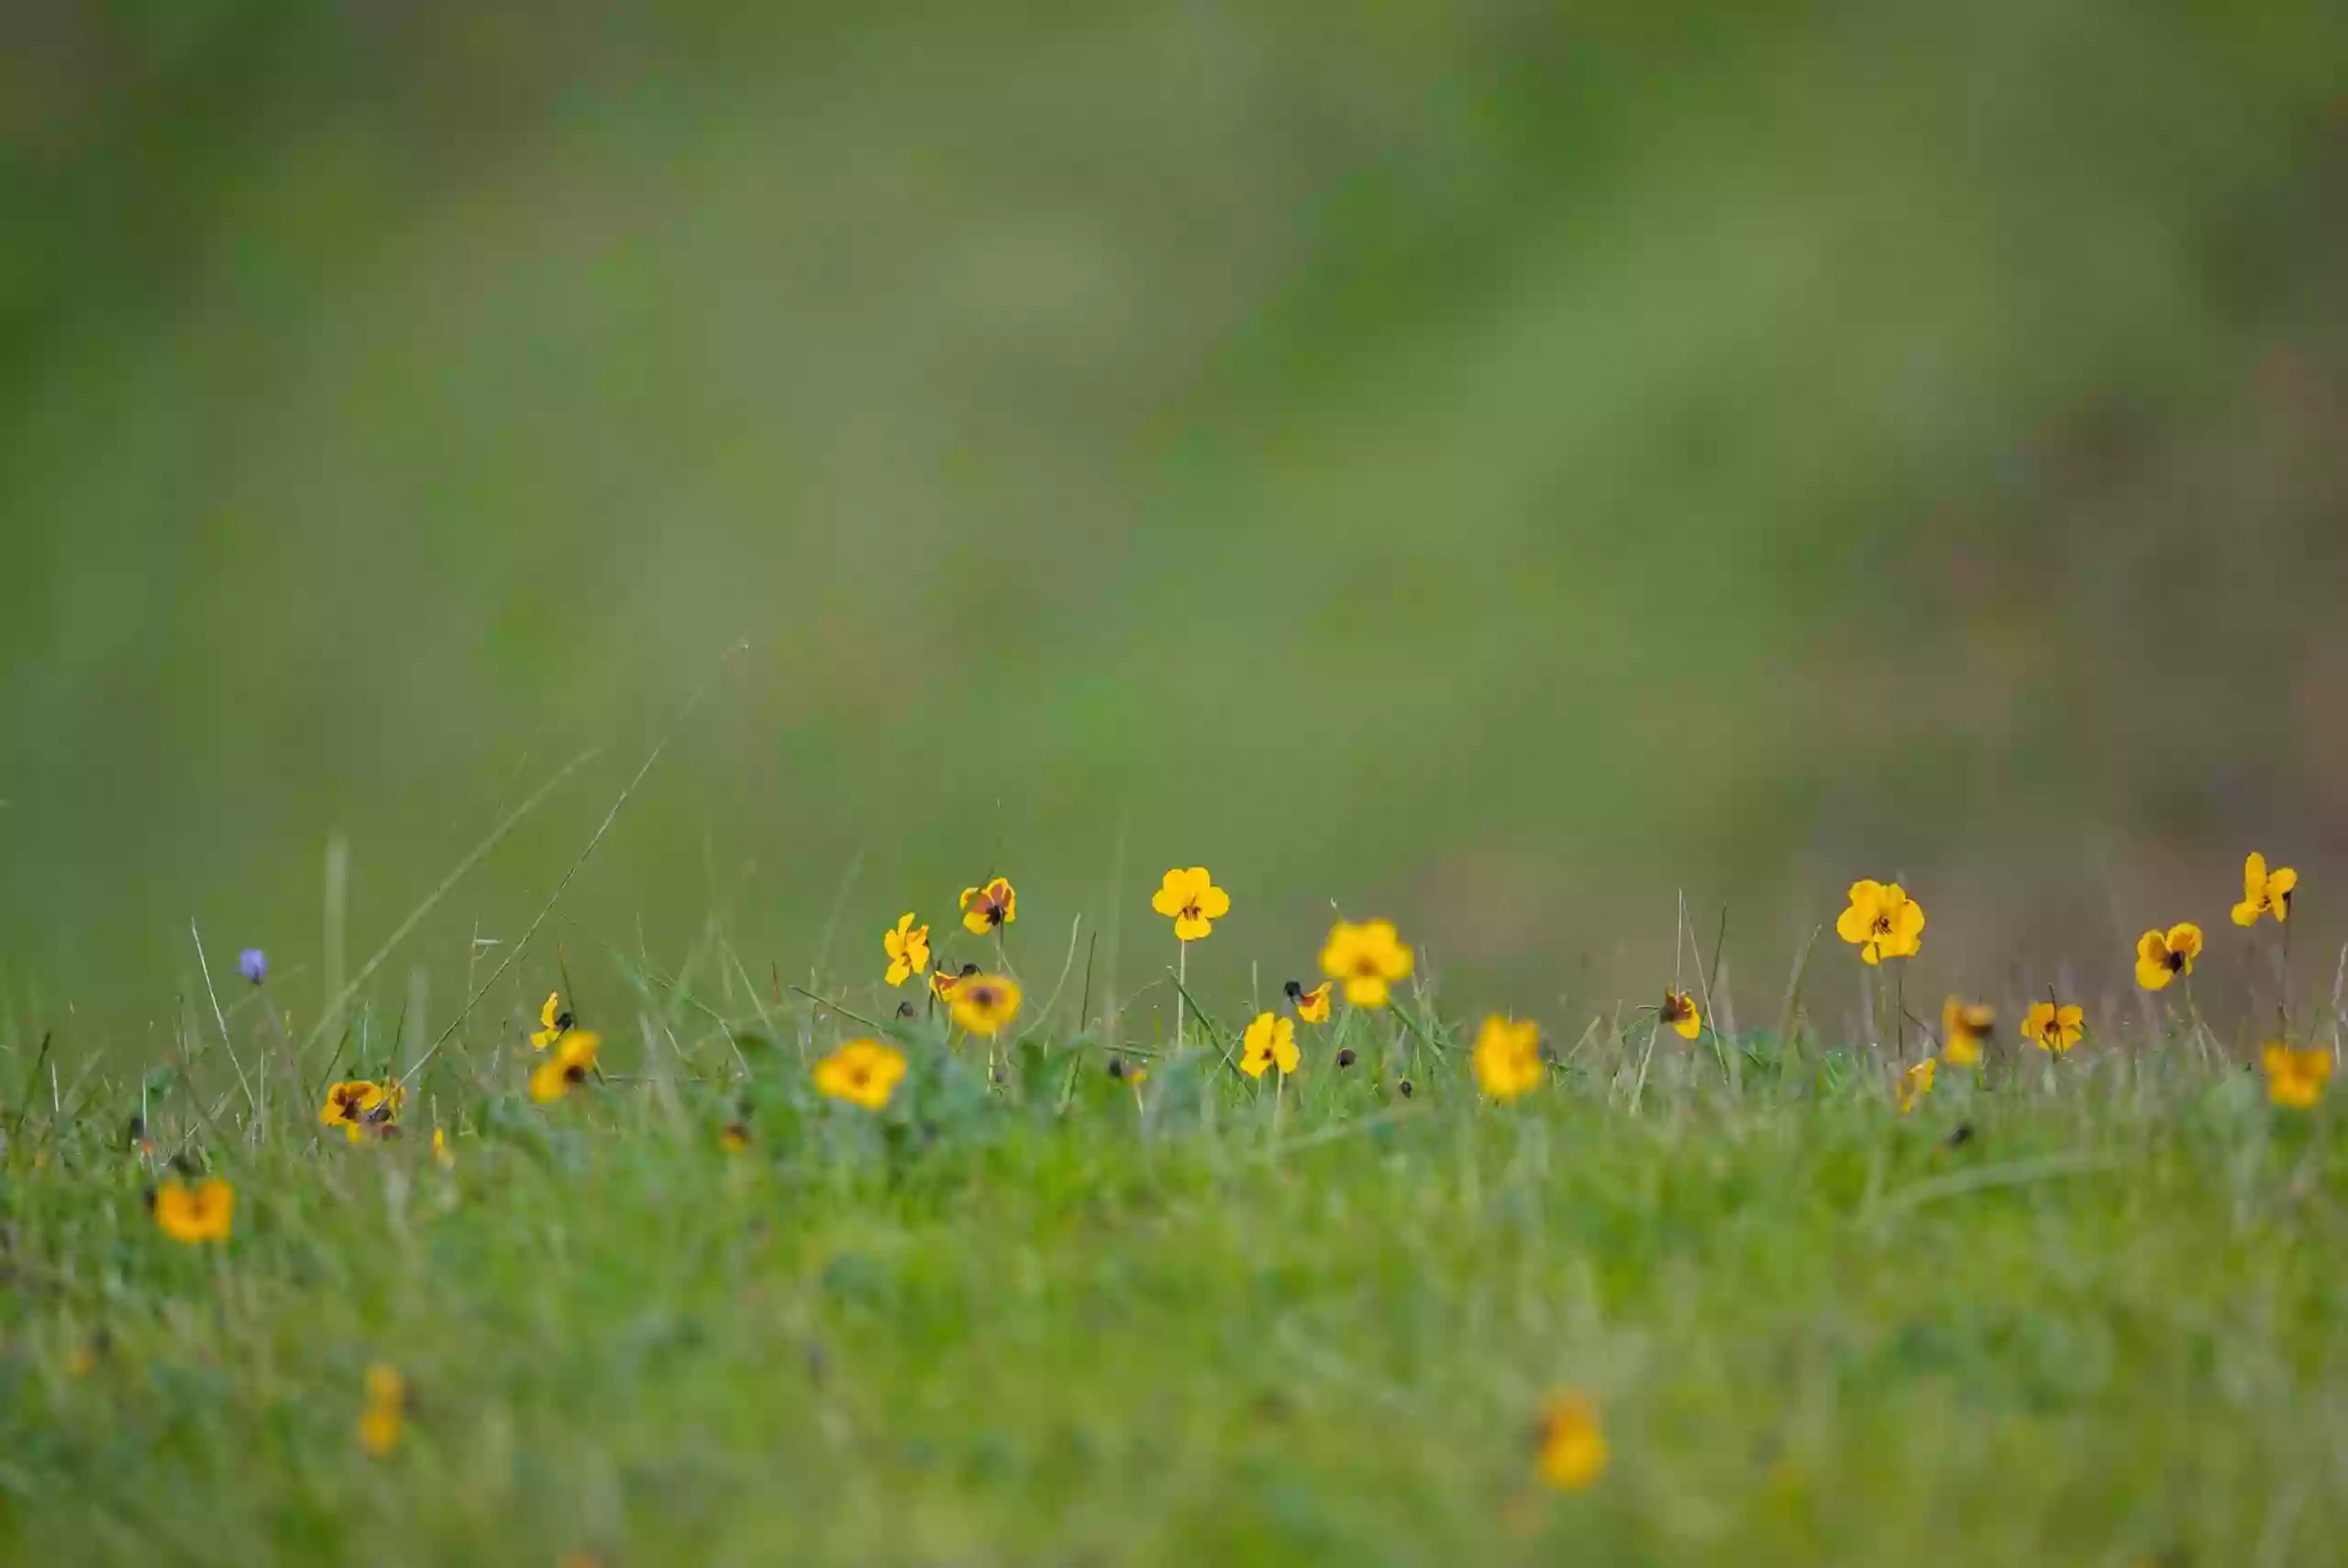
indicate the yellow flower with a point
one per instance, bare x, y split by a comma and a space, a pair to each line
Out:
1368, 958
2264, 892
908, 950
1312, 1006
2296, 1078
734, 1138
984, 1004
1916, 1083
862, 1072
988, 908
1573, 1446
359, 1107
1508, 1057
1192, 900
385, 1415
199, 1213
2162, 957
1270, 1041
440, 1150
1882, 922
1680, 1012
942, 984
557, 1022
552, 1079
2052, 1027
1964, 1025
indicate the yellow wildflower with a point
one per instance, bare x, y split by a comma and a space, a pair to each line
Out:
557, 1022
734, 1138
2296, 1078
1368, 958
571, 1064
1507, 1057
359, 1107
2264, 891
862, 1072
385, 1415
2162, 957
1269, 1041
440, 1150
1312, 1006
199, 1213
2055, 1028
1883, 921
1916, 1083
1964, 1025
1573, 1446
989, 908
1192, 900
984, 1004
1680, 1012
908, 950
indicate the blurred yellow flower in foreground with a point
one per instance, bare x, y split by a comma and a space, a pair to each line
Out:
1507, 1058
1192, 900
199, 1213
908, 950
989, 908
1916, 1083
2162, 957
2264, 891
1573, 1446
2053, 1028
2296, 1078
385, 1415
1964, 1025
1368, 958
1679, 1013
1883, 921
984, 1004
570, 1065
862, 1072
1269, 1041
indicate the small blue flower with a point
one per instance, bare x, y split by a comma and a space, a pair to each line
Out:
253, 965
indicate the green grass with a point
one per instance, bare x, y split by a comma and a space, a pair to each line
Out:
1213, 1325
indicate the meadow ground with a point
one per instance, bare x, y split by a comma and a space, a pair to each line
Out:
2078, 1310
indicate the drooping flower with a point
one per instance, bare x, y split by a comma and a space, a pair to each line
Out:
908, 950
1269, 1041
862, 1072
2053, 1027
385, 1417
253, 965
2296, 1078
941, 983
2162, 957
557, 1022
1964, 1026
1573, 1446
1192, 900
359, 1107
1312, 1006
1368, 958
2264, 891
199, 1213
1679, 1013
1916, 1083
1507, 1057
984, 1004
1882, 922
989, 908
571, 1061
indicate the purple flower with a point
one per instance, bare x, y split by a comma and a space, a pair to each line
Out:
253, 965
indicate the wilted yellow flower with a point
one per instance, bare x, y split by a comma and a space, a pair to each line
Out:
571, 1064
359, 1107
1270, 1041
983, 1004
989, 908
385, 1415
1368, 958
199, 1213
557, 1022
2296, 1078
1507, 1058
862, 1072
1916, 1083
2264, 891
941, 983
2053, 1028
1312, 1006
1573, 1446
1192, 900
908, 950
1964, 1026
1679, 1013
1883, 921
2162, 957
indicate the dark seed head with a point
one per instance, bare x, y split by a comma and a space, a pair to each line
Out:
905, 1009
1346, 1059
138, 1128
564, 1024
969, 970
183, 1164
1117, 1067
146, 1196
1962, 1133
1405, 1087
1294, 988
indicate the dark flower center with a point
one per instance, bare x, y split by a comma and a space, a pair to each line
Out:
2175, 962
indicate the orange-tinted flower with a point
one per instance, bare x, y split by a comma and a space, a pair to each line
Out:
862, 1072
908, 950
2296, 1078
1312, 1006
199, 1213
1964, 1026
1507, 1058
1883, 921
1679, 1013
1192, 900
941, 983
359, 1107
985, 1004
2053, 1028
1916, 1083
2162, 957
1269, 1041
1368, 958
2264, 891
1573, 1451
571, 1061
990, 907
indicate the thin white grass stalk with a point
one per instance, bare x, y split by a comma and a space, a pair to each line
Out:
1068, 967
2339, 980
337, 925
832, 920
1183, 980
221, 1018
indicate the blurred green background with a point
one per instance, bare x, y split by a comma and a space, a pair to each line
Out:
1491, 464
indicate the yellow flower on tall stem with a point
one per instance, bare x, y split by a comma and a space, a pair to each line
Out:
908, 950
2053, 1027
555, 1022
1192, 900
1312, 1006
985, 1004
1507, 1057
990, 907
1679, 1013
1964, 1026
2264, 891
385, 1414
862, 1072
1882, 922
1368, 958
2162, 957
569, 1067
199, 1213
359, 1107
1270, 1042
1916, 1083
2296, 1078
1573, 1453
